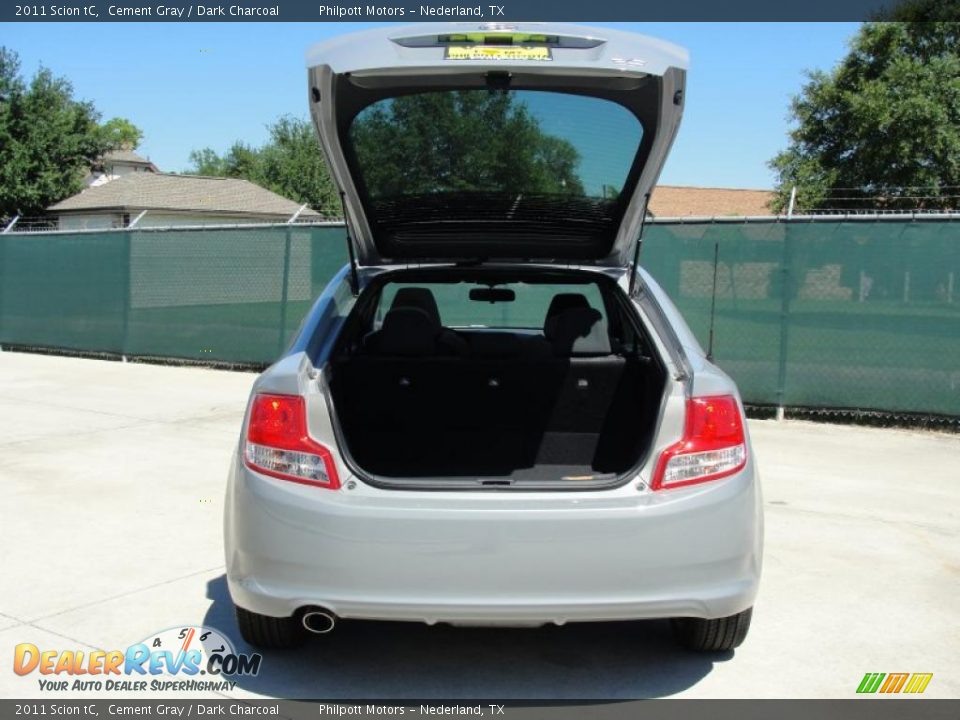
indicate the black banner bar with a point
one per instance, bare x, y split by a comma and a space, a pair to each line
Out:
435, 10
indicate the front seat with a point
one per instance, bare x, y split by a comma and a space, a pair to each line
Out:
420, 298
565, 301
406, 331
572, 327
417, 297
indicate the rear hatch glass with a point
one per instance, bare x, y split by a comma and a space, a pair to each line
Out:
445, 165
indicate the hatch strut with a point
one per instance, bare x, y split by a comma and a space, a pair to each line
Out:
713, 297
354, 280
636, 248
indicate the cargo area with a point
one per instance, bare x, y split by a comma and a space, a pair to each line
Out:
496, 380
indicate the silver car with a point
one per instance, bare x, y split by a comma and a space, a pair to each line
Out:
492, 415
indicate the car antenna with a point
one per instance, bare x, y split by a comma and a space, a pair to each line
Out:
636, 248
354, 280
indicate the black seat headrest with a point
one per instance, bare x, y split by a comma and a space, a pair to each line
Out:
417, 297
406, 331
578, 331
562, 302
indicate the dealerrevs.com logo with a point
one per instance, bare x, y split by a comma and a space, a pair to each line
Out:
176, 659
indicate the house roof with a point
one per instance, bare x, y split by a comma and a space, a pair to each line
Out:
181, 193
126, 156
675, 201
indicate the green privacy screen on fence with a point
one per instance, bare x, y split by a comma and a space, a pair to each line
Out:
231, 294
840, 314
855, 314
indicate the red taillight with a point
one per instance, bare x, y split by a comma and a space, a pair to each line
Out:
278, 443
713, 445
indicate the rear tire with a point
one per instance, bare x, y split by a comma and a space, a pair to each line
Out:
264, 631
715, 635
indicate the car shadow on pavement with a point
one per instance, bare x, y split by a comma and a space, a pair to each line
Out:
391, 660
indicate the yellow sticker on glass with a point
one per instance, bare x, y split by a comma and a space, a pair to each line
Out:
488, 52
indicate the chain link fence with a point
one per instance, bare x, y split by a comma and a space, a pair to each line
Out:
848, 313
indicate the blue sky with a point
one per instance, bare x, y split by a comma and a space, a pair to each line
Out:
192, 85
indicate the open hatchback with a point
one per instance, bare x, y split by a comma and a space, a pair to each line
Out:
508, 143
493, 416
505, 157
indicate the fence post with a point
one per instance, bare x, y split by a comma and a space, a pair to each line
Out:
3, 265
127, 299
3, 246
785, 290
784, 309
281, 345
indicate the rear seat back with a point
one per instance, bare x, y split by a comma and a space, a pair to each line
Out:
580, 379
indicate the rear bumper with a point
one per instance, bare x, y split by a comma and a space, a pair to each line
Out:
493, 558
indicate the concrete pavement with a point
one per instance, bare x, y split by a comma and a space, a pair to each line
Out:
110, 529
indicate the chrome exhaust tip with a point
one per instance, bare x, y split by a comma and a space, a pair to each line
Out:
319, 622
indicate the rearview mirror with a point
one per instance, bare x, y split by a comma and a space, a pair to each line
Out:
492, 295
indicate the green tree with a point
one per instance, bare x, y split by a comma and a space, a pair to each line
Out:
48, 140
206, 161
290, 164
240, 161
885, 121
463, 141
121, 133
